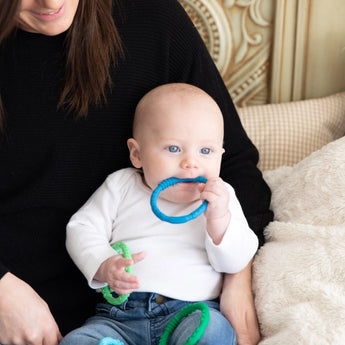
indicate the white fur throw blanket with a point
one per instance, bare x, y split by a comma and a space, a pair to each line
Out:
299, 274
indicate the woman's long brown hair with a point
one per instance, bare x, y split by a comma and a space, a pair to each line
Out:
92, 46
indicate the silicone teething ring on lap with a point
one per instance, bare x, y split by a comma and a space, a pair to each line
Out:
192, 340
181, 219
119, 247
110, 341
198, 332
169, 329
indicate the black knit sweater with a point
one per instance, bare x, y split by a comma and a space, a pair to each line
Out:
50, 163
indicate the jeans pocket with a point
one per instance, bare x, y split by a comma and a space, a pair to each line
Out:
103, 309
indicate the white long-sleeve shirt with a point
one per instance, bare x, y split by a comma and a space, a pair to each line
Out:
182, 261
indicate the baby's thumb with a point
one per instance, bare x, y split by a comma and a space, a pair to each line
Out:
139, 257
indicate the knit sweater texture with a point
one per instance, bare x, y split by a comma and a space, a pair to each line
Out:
51, 162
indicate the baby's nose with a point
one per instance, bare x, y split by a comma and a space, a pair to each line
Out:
189, 162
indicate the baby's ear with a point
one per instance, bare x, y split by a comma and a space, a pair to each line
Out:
134, 152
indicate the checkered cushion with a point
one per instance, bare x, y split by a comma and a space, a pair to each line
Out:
285, 133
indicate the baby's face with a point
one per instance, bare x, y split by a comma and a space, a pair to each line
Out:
181, 138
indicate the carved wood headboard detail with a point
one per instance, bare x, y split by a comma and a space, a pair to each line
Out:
238, 35
270, 51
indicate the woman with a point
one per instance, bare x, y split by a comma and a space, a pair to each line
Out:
69, 82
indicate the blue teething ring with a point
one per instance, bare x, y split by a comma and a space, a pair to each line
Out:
181, 219
110, 341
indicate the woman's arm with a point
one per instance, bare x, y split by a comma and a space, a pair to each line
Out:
237, 305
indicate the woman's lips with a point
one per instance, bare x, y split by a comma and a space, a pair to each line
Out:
52, 15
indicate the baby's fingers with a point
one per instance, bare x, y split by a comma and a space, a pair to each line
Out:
122, 262
215, 185
214, 188
124, 283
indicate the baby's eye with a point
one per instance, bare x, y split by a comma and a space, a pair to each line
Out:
173, 148
205, 151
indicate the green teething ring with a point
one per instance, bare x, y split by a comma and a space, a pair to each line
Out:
169, 329
196, 335
119, 247
199, 331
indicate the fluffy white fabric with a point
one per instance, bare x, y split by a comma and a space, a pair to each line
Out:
299, 274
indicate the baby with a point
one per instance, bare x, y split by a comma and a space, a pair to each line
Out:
177, 132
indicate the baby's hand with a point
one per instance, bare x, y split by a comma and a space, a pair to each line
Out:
217, 212
215, 192
112, 271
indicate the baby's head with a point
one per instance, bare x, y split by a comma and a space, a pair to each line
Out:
177, 132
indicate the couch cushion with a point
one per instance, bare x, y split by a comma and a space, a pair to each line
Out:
285, 133
299, 274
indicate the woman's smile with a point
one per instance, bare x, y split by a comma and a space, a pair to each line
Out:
48, 16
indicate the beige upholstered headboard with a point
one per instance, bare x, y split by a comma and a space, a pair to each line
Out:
271, 51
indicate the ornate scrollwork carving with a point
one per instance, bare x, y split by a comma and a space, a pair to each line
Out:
238, 38
213, 26
250, 11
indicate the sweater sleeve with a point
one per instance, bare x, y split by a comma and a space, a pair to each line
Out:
190, 62
3, 270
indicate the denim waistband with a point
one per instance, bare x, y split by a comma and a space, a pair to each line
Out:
135, 296
146, 297
151, 300
147, 300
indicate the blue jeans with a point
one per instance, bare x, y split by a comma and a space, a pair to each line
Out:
142, 319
